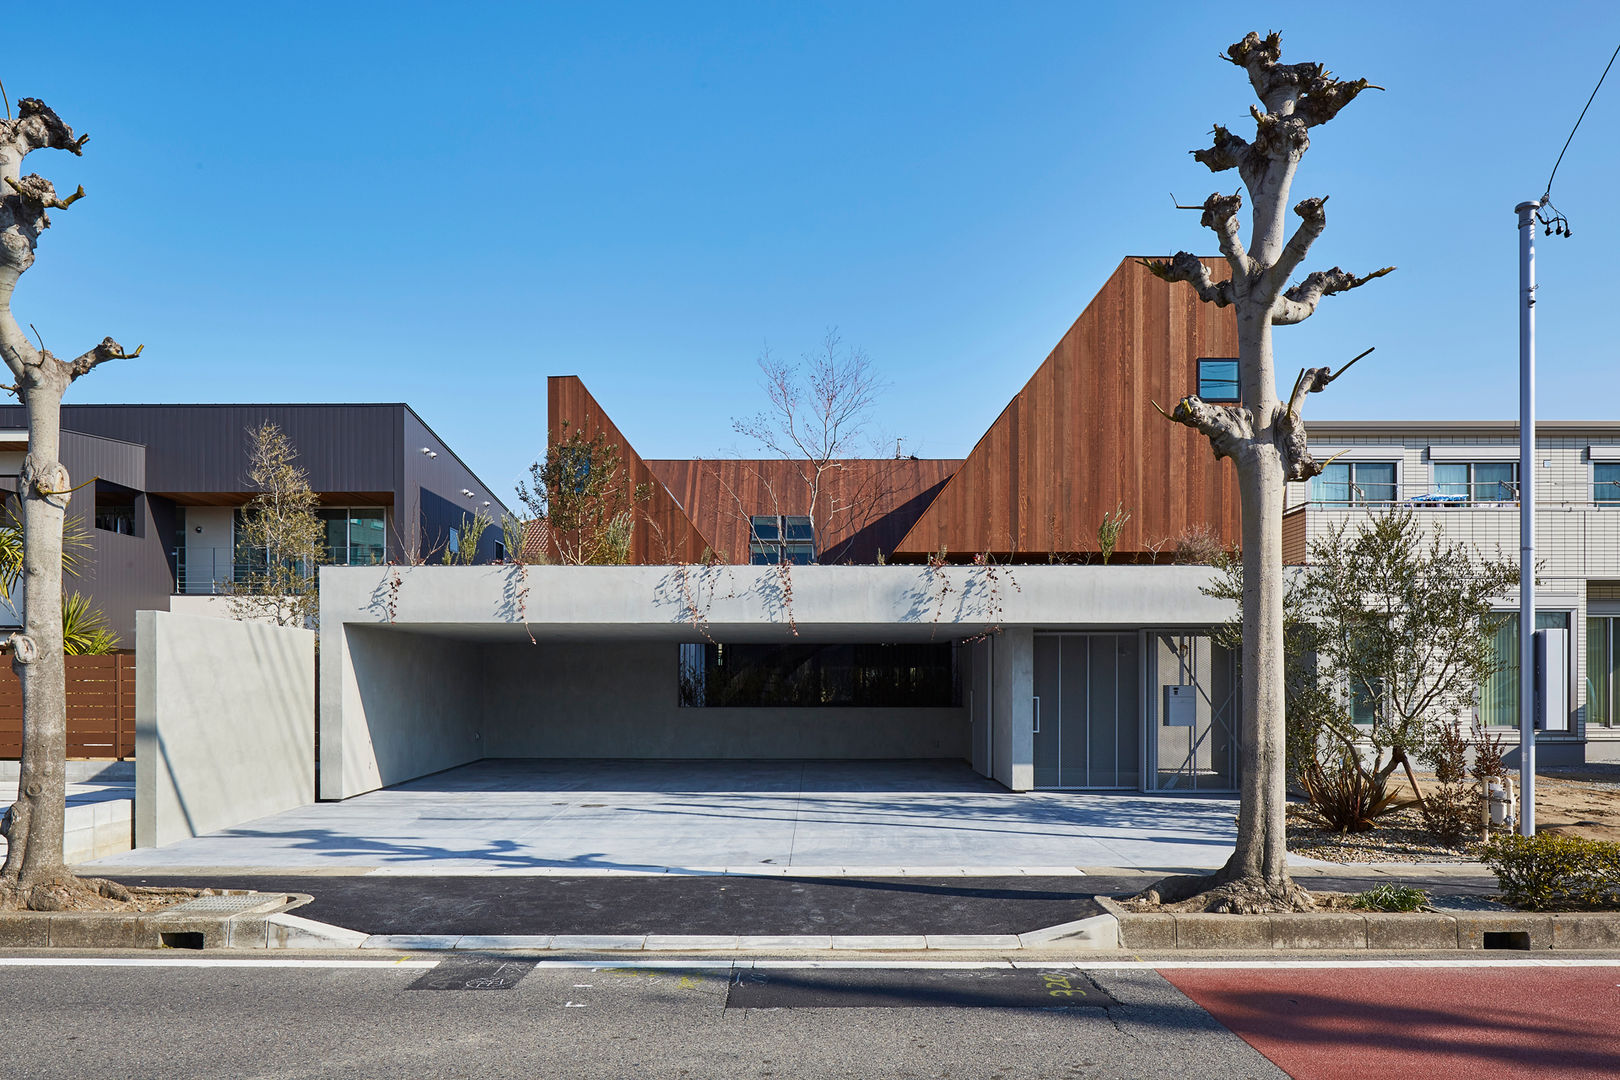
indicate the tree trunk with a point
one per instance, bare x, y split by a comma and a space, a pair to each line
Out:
1262, 850
35, 837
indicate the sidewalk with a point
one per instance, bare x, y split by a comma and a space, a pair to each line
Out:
773, 905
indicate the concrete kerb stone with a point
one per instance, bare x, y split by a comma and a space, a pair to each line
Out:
1347, 930
1093, 932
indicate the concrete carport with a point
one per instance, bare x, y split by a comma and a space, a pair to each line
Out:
428, 668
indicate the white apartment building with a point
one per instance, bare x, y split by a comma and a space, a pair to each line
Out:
1461, 477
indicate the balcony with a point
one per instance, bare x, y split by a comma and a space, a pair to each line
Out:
1576, 537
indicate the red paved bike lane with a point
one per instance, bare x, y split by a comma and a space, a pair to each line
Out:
1433, 1023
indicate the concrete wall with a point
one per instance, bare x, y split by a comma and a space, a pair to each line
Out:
224, 723
1012, 715
395, 705
620, 699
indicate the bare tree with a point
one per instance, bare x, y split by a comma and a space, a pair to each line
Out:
819, 418
1264, 436
34, 875
280, 541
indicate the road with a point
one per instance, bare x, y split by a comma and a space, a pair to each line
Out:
145, 1015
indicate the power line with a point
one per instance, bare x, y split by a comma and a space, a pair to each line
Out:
1549, 215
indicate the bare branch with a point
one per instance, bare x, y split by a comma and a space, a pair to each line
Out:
1298, 303
1227, 427
37, 127
1184, 266
1313, 219
107, 350
1220, 216
1307, 90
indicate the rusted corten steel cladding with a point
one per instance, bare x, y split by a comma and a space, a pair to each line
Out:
1080, 440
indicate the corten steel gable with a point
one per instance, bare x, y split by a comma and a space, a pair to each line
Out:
865, 505
663, 532
1082, 438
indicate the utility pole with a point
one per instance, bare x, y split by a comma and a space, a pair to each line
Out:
1527, 516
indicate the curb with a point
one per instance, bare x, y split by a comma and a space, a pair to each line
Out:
1351, 930
233, 920
1098, 932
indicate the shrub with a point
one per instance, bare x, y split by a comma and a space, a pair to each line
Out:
1452, 812
1549, 870
1390, 897
1344, 796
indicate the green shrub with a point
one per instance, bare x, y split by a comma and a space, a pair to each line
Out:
1390, 897
1553, 871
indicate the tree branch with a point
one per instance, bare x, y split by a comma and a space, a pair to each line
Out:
1307, 90
1228, 427
1313, 219
1220, 216
1299, 303
107, 350
1184, 266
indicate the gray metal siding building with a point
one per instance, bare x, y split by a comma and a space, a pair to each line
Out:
176, 473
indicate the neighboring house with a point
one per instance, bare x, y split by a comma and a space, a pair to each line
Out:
165, 485
1055, 672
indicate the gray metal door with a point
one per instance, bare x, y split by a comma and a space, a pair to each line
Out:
1087, 711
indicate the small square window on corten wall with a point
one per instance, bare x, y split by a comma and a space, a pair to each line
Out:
1218, 379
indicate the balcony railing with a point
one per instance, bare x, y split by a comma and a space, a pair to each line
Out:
1444, 496
211, 571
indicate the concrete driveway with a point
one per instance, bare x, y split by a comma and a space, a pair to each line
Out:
553, 816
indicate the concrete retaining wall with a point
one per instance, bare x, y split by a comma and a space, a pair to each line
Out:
620, 699
224, 723
404, 705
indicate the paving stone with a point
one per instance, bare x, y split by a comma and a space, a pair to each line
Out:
1199, 930
1147, 930
973, 941
1582, 930
102, 930
25, 930
1318, 930
504, 941
1401, 931
1471, 929
587, 942
682, 942
880, 941
408, 942
784, 941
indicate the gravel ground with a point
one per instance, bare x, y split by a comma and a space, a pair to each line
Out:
1399, 838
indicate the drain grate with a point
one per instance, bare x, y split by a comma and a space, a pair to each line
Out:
230, 905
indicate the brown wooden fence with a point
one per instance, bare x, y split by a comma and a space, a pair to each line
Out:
100, 707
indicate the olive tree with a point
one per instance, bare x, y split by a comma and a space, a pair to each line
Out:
1262, 434
34, 875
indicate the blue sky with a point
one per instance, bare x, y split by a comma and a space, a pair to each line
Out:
445, 204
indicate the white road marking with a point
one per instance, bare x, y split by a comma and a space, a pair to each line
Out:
207, 962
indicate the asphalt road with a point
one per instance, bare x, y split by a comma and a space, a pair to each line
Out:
505, 1018
680, 904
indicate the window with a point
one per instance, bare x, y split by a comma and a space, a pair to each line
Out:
788, 538
1218, 380
1606, 482
1602, 670
454, 544
921, 675
1347, 483
1499, 696
353, 536
115, 508
1478, 481
500, 551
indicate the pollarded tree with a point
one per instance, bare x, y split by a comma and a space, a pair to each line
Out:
34, 875
1263, 435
